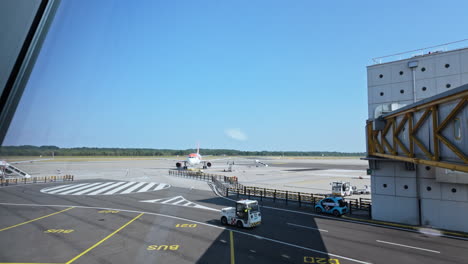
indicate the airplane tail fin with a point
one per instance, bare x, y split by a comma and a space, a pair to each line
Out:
198, 148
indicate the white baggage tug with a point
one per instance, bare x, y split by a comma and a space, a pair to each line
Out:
245, 214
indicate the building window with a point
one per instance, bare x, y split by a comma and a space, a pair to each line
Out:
454, 190
447, 65
428, 188
401, 72
424, 88
423, 69
402, 91
381, 76
448, 85
457, 128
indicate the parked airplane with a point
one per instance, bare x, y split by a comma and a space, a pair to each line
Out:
193, 159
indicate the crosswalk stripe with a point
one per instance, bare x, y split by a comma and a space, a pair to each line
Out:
147, 187
79, 188
172, 199
160, 186
105, 189
178, 202
69, 187
119, 188
131, 189
92, 188
56, 187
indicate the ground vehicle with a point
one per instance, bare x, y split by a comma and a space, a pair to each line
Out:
332, 205
245, 214
341, 188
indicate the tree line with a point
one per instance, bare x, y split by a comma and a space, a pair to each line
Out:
87, 151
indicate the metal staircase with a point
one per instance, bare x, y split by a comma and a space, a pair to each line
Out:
9, 171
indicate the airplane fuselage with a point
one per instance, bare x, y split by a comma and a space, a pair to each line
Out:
194, 159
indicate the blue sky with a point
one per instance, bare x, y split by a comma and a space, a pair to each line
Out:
248, 75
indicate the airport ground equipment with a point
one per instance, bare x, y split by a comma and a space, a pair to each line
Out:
245, 214
332, 205
340, 188
7, 170
365, 190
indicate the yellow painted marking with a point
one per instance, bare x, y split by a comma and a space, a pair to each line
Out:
39, 218
186, 225
232, 247
317, 260
104, 239
163, 247
108, 211
27, 263
64, 231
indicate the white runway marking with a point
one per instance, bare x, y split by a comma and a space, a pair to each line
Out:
307, 227
131, 189
65, 188
200, 223
105, 188
401, 245
120, 188
93, 188
58, 187
178, 200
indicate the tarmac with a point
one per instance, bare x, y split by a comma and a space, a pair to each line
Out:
291, 174
132, 211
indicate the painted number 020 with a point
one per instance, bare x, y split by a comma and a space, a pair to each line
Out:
321, 260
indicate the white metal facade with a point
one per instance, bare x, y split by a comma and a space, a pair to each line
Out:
443, 194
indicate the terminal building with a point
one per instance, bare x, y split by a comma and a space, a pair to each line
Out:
417, 139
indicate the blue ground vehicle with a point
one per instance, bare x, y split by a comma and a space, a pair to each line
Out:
332, 205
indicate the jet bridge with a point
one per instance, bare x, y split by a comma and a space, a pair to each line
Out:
433, 131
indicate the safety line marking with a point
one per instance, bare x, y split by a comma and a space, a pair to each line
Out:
198, 222
120, 188
401, 245
39, 218
323, 230
447, 234
231, 237
104, 239
105, 188
63, 188
88, 190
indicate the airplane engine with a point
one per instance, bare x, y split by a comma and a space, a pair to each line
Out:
208, 164
178, 164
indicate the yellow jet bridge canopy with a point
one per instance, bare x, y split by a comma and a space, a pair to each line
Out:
433, 131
